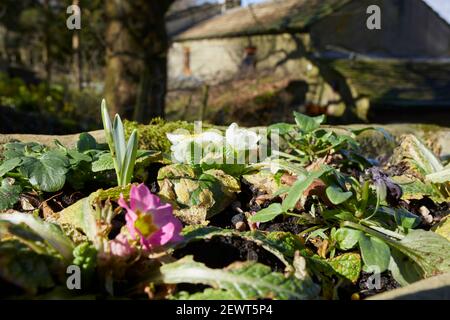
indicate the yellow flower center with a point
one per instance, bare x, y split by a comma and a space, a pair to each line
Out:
144, 224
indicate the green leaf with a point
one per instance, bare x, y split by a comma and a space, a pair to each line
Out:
86, 142
306, 123
426, 248
24, 268
267, 214
19, 149
47, 172
414, 188
443, 228
430, 251
299, 187
375, 254
247, 280
282, 128
336, 195
50, 232
9, 165
442, 176
406, 219
107, 124
129, 159
103, 163
119, 141
76, 157
207, 294
212, 191
347, 265
9, 193
403, 269
81, 215
387, 136
347, 238
422, 157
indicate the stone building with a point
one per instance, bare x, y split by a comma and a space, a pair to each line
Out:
328, 44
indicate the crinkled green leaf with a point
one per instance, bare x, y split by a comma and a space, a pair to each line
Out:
46, 172
212, 190
426, 248
420, 159
103, 163
9, 165
247, 280
207, 294
50, 232
23, 267
18, 149
264, 181
347, 265
414, 188
443, 228
9, 193
76, 157
421, 156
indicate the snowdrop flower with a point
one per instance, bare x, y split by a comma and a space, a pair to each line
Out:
150, 220
241, 139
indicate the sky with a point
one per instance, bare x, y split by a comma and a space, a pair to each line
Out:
247, 2
442, 7
244, 2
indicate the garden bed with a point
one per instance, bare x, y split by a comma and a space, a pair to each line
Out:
332, 213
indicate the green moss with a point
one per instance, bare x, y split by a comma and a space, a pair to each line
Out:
153, 135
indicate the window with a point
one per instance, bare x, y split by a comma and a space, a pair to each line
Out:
187, 61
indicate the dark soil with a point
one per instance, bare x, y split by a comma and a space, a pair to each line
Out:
437, 210
152, 176
287, 225
63, 199
117, 223
220, 252
387, 283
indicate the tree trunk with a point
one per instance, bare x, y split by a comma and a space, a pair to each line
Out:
47, 44
136, 67
77, 59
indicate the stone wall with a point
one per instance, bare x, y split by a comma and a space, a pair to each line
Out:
373, 142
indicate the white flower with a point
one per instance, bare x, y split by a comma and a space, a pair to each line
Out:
205, 146
181, 151
241, 139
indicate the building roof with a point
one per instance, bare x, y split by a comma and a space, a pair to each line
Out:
264, 18
279, 16
398, 82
